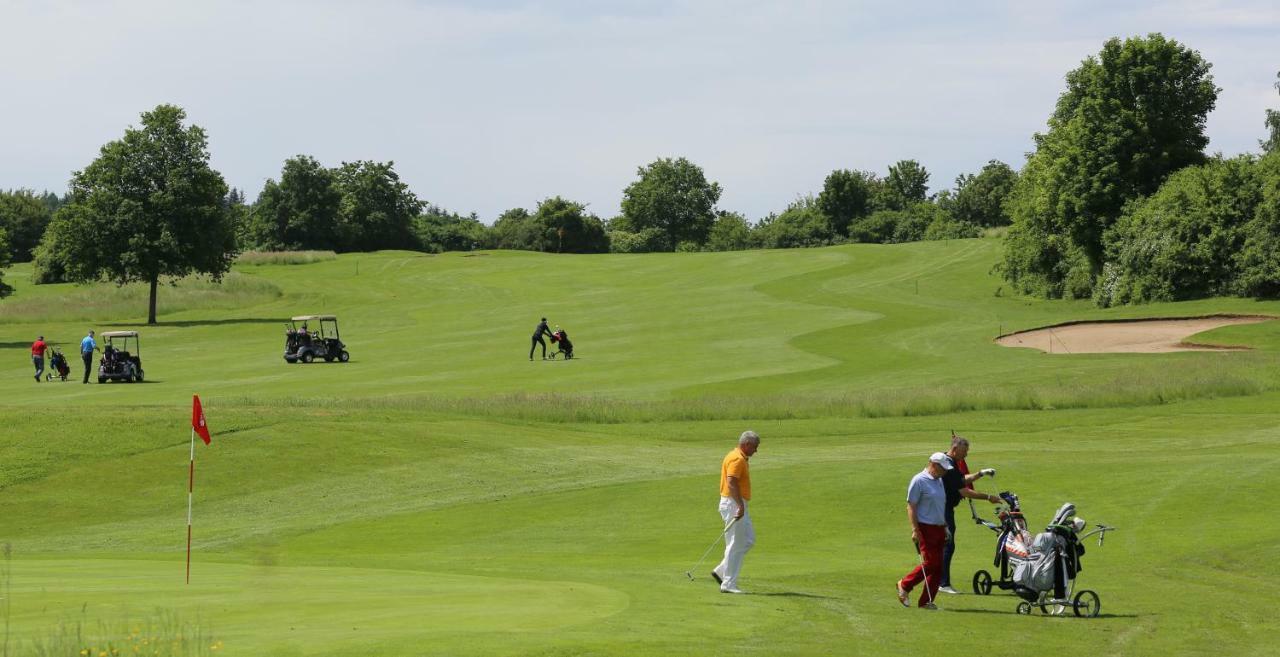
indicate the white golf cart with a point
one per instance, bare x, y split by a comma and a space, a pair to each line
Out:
308, 337
118, 363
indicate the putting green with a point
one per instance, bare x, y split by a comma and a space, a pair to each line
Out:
311, 609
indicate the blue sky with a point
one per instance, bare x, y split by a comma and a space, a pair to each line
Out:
489, 106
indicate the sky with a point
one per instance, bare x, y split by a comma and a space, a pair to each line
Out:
486, 106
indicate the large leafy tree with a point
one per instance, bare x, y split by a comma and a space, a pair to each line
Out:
906, 184
24, 216
377, 209
1272, 142
564, 226
674, 196
1129, 118
5, 290
846, 197
298, 212
979, 199
149, 206
1182, 242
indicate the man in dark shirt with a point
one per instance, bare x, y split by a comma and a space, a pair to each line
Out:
959, 484
537, 339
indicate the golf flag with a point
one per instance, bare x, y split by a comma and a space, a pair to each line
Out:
198, 426
197, 419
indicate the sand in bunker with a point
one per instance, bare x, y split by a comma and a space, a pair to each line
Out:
1140, 336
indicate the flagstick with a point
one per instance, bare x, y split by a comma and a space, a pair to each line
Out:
191, 485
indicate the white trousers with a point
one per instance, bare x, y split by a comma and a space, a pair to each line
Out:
740, 537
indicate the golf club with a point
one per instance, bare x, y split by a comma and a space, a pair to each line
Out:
923, 572
689, 573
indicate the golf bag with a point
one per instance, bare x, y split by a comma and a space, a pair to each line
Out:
1048, 563
58, 366
561, 339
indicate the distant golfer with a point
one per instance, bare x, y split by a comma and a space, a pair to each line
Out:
37, 356
735, 492
537, 339
926, 504
87, 346
959, 485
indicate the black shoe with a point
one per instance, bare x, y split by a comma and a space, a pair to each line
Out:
716, 577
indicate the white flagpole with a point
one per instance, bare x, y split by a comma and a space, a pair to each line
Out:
191, 485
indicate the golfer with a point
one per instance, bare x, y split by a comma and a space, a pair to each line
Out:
87, 346
926, 504
538, 332
37, 356
959, 485
735, 492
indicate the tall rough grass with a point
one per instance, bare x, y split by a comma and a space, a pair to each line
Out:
1137, 387
256, 258
104, 301
160, 634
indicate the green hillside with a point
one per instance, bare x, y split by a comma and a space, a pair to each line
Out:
441, 494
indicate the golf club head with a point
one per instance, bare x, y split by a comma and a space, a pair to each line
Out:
689, 575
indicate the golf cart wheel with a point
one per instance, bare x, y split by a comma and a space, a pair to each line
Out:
982, 582
308, 357
1024, 608
128, 378
343, 356
1087, 604
139, 377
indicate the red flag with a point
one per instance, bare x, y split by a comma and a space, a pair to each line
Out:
197, 419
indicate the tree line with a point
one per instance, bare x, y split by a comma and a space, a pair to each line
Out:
1118, 202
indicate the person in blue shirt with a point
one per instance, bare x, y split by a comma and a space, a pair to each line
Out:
87, 346
926, 510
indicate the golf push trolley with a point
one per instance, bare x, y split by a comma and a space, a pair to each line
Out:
1040, 570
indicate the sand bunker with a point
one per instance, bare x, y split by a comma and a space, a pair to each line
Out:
1137, 336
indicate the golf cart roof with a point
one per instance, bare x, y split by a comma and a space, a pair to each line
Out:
307, 318
120, 334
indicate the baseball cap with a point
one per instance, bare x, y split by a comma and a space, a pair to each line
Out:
941, 459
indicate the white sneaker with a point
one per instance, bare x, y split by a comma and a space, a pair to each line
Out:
948, 589
903, 595
731, 589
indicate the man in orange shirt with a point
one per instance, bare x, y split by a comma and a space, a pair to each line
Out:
735, 492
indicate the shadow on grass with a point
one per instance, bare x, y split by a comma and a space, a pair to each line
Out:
201, 322
1011, 612
793, 594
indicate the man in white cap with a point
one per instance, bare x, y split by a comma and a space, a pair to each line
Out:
926, 509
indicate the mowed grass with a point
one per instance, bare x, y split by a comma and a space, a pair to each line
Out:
440, 494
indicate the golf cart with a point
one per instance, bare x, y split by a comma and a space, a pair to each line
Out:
308, 337
118, 363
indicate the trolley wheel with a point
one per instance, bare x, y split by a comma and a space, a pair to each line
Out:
343, 356
982, 582
1087, 604
308, 357
1024, 608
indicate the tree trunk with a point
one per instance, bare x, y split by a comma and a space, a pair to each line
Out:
151, 307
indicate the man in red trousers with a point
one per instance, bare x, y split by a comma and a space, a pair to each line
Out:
926, 509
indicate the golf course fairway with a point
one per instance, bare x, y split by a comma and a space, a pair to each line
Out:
441, 494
